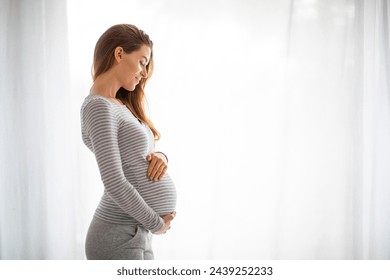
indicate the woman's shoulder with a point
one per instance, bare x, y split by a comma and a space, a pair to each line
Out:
97, 99
94, 100
94, 103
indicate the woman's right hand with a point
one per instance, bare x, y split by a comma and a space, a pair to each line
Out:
167, 223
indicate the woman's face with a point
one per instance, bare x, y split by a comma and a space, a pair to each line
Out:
132, 67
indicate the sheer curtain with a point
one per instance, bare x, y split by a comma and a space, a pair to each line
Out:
336, 191
274, 114
38, 140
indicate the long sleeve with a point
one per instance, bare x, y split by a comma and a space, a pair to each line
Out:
101, 126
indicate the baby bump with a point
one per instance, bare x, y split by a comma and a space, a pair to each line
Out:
159, 195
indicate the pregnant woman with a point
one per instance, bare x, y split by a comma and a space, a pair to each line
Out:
139, 196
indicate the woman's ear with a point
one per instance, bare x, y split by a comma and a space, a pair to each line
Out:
118, 52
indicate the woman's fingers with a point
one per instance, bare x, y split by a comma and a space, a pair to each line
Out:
168, 218
152, 164
167, 223
161, 172
157, 167
157, 170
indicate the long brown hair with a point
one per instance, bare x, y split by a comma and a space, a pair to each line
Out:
130, 38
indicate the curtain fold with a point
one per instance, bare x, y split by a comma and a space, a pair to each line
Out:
375, 76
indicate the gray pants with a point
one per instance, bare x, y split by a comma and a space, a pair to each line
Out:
107, 241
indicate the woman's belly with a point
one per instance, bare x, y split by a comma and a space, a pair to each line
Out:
159, 195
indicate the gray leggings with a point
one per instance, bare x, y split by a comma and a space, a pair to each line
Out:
107, 241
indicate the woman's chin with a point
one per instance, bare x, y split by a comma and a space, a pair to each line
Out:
130, 88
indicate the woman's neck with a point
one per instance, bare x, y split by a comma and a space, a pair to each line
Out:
105, 84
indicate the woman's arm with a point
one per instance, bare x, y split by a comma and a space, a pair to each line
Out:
102, 128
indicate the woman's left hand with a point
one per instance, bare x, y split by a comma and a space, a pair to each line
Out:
157, 166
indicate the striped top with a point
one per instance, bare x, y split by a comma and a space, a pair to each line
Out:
120, 144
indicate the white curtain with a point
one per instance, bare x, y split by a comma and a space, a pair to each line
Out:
335, 194
274, 114
39, 165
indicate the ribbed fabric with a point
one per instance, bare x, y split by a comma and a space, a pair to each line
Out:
120, 144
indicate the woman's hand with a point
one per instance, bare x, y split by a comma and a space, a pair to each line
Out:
167, 223
157, 166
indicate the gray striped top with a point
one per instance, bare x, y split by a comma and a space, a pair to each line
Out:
120, 144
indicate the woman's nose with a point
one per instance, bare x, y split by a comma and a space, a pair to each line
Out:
144, 72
